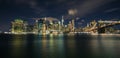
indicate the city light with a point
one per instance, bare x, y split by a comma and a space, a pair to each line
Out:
45, 26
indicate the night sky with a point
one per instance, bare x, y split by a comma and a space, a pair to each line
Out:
84, 10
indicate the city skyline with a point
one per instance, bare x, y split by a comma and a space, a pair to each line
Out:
86, 10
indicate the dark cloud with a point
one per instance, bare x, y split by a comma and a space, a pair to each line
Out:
112, 10
62, 7
90, 6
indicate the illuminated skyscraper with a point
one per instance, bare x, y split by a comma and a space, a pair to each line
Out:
35, 29
59, 25
62, 21
40, 26
73, 25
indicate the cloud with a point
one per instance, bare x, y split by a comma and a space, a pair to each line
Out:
74, 8
90, 6
30, 3
33, 4
72, 11
112, 10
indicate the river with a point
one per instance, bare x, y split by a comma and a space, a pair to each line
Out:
59, 46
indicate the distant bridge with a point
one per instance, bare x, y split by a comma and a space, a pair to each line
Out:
105, 24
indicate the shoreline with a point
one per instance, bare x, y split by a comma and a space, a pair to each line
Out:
24, 33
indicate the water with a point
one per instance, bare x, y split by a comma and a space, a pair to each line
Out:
59, 46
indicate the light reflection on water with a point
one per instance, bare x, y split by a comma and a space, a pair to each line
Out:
59, 46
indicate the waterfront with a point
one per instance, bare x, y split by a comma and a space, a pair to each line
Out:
59, 46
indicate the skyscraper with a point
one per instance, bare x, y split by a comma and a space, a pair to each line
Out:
62, 21
73, 25
40, 25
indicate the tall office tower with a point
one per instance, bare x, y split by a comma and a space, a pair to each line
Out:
62, 21
42, 25
88, 25
35, 29
44, 29
59, 24
73, 25
70, 26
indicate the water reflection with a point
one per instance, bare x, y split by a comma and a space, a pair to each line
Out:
105, 46
52, 46
70, 46
18, 45
60, 46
